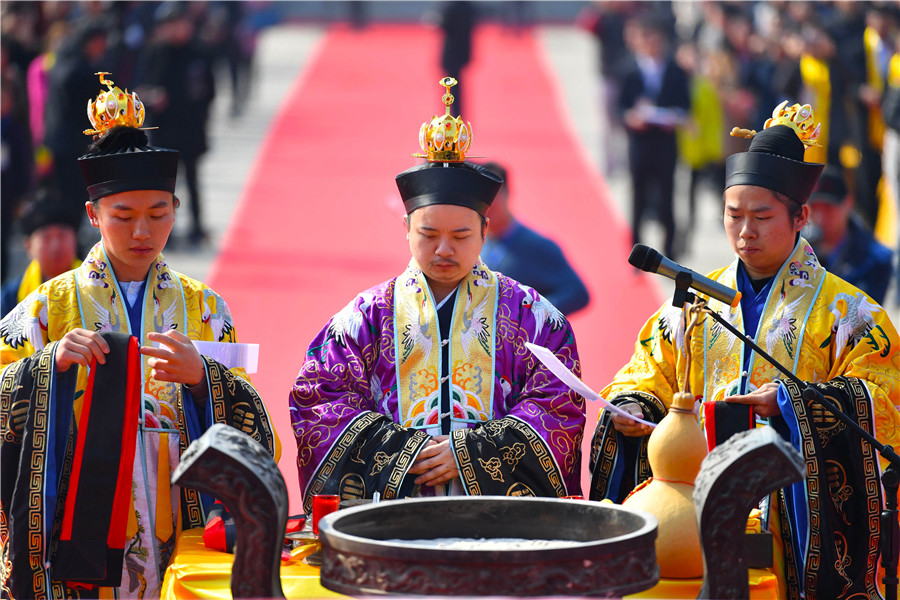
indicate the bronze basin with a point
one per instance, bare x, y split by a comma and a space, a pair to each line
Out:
614, 553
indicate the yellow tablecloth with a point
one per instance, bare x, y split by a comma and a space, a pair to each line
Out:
198, 572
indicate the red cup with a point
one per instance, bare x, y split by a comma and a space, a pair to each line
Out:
323, 504
573, 497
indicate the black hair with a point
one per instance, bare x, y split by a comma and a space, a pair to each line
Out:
795, 209
658, 22
778, 140
119, 139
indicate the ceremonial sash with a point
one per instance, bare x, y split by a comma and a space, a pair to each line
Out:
724, 419
97, 506
103, 308
780, 332
419, 349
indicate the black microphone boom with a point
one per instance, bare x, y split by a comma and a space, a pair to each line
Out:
647, 259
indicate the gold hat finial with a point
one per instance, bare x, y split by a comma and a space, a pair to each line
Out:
448, 98
797, 117
445, 138
113, 107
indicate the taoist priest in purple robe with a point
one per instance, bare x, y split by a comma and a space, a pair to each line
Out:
422, 385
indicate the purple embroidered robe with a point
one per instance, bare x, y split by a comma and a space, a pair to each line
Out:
345, 407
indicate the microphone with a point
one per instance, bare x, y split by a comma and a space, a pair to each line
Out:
647, 259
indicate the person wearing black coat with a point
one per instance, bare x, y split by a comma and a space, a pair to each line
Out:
177, 85
654, 100
71, 80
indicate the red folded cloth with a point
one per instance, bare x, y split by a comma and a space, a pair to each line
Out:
295, 523
219, 533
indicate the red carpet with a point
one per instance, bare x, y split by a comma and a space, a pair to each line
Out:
319, 219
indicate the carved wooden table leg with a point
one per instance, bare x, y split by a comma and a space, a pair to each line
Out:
732, 480
234, 468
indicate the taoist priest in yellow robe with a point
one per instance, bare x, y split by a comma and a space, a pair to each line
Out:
65, 531
827, 332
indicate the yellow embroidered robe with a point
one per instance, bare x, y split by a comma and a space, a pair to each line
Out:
819, 326
89, 297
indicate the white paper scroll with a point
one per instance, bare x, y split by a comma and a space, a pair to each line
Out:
567, 377
231, 355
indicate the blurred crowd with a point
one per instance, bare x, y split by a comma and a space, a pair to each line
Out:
677, 76
169, 52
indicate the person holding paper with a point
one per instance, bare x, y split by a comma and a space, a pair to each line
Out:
653, 102
826, 331
422, 385
56, 342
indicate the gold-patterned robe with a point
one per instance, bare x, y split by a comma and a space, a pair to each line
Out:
828, 333
89, 297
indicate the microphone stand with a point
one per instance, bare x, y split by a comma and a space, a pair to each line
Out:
890, 478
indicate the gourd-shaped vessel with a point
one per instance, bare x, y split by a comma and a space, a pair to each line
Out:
675, 450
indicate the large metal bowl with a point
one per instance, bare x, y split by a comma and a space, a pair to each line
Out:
614, 555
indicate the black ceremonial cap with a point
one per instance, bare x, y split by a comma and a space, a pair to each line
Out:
775, 158
462, 184
128, 163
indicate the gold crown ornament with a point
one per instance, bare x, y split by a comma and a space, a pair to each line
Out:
113, 108
445, 138
799, 118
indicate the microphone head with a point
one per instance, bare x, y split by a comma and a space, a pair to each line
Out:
644, 258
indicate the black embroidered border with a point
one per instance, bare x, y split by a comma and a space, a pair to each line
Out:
814, 555
191, 508
609, 446
38, 451
859, 394
247, 413
538, 447
343, 445
10, 424
217, 392
791, 575
464, 460
606, 459
404, 461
